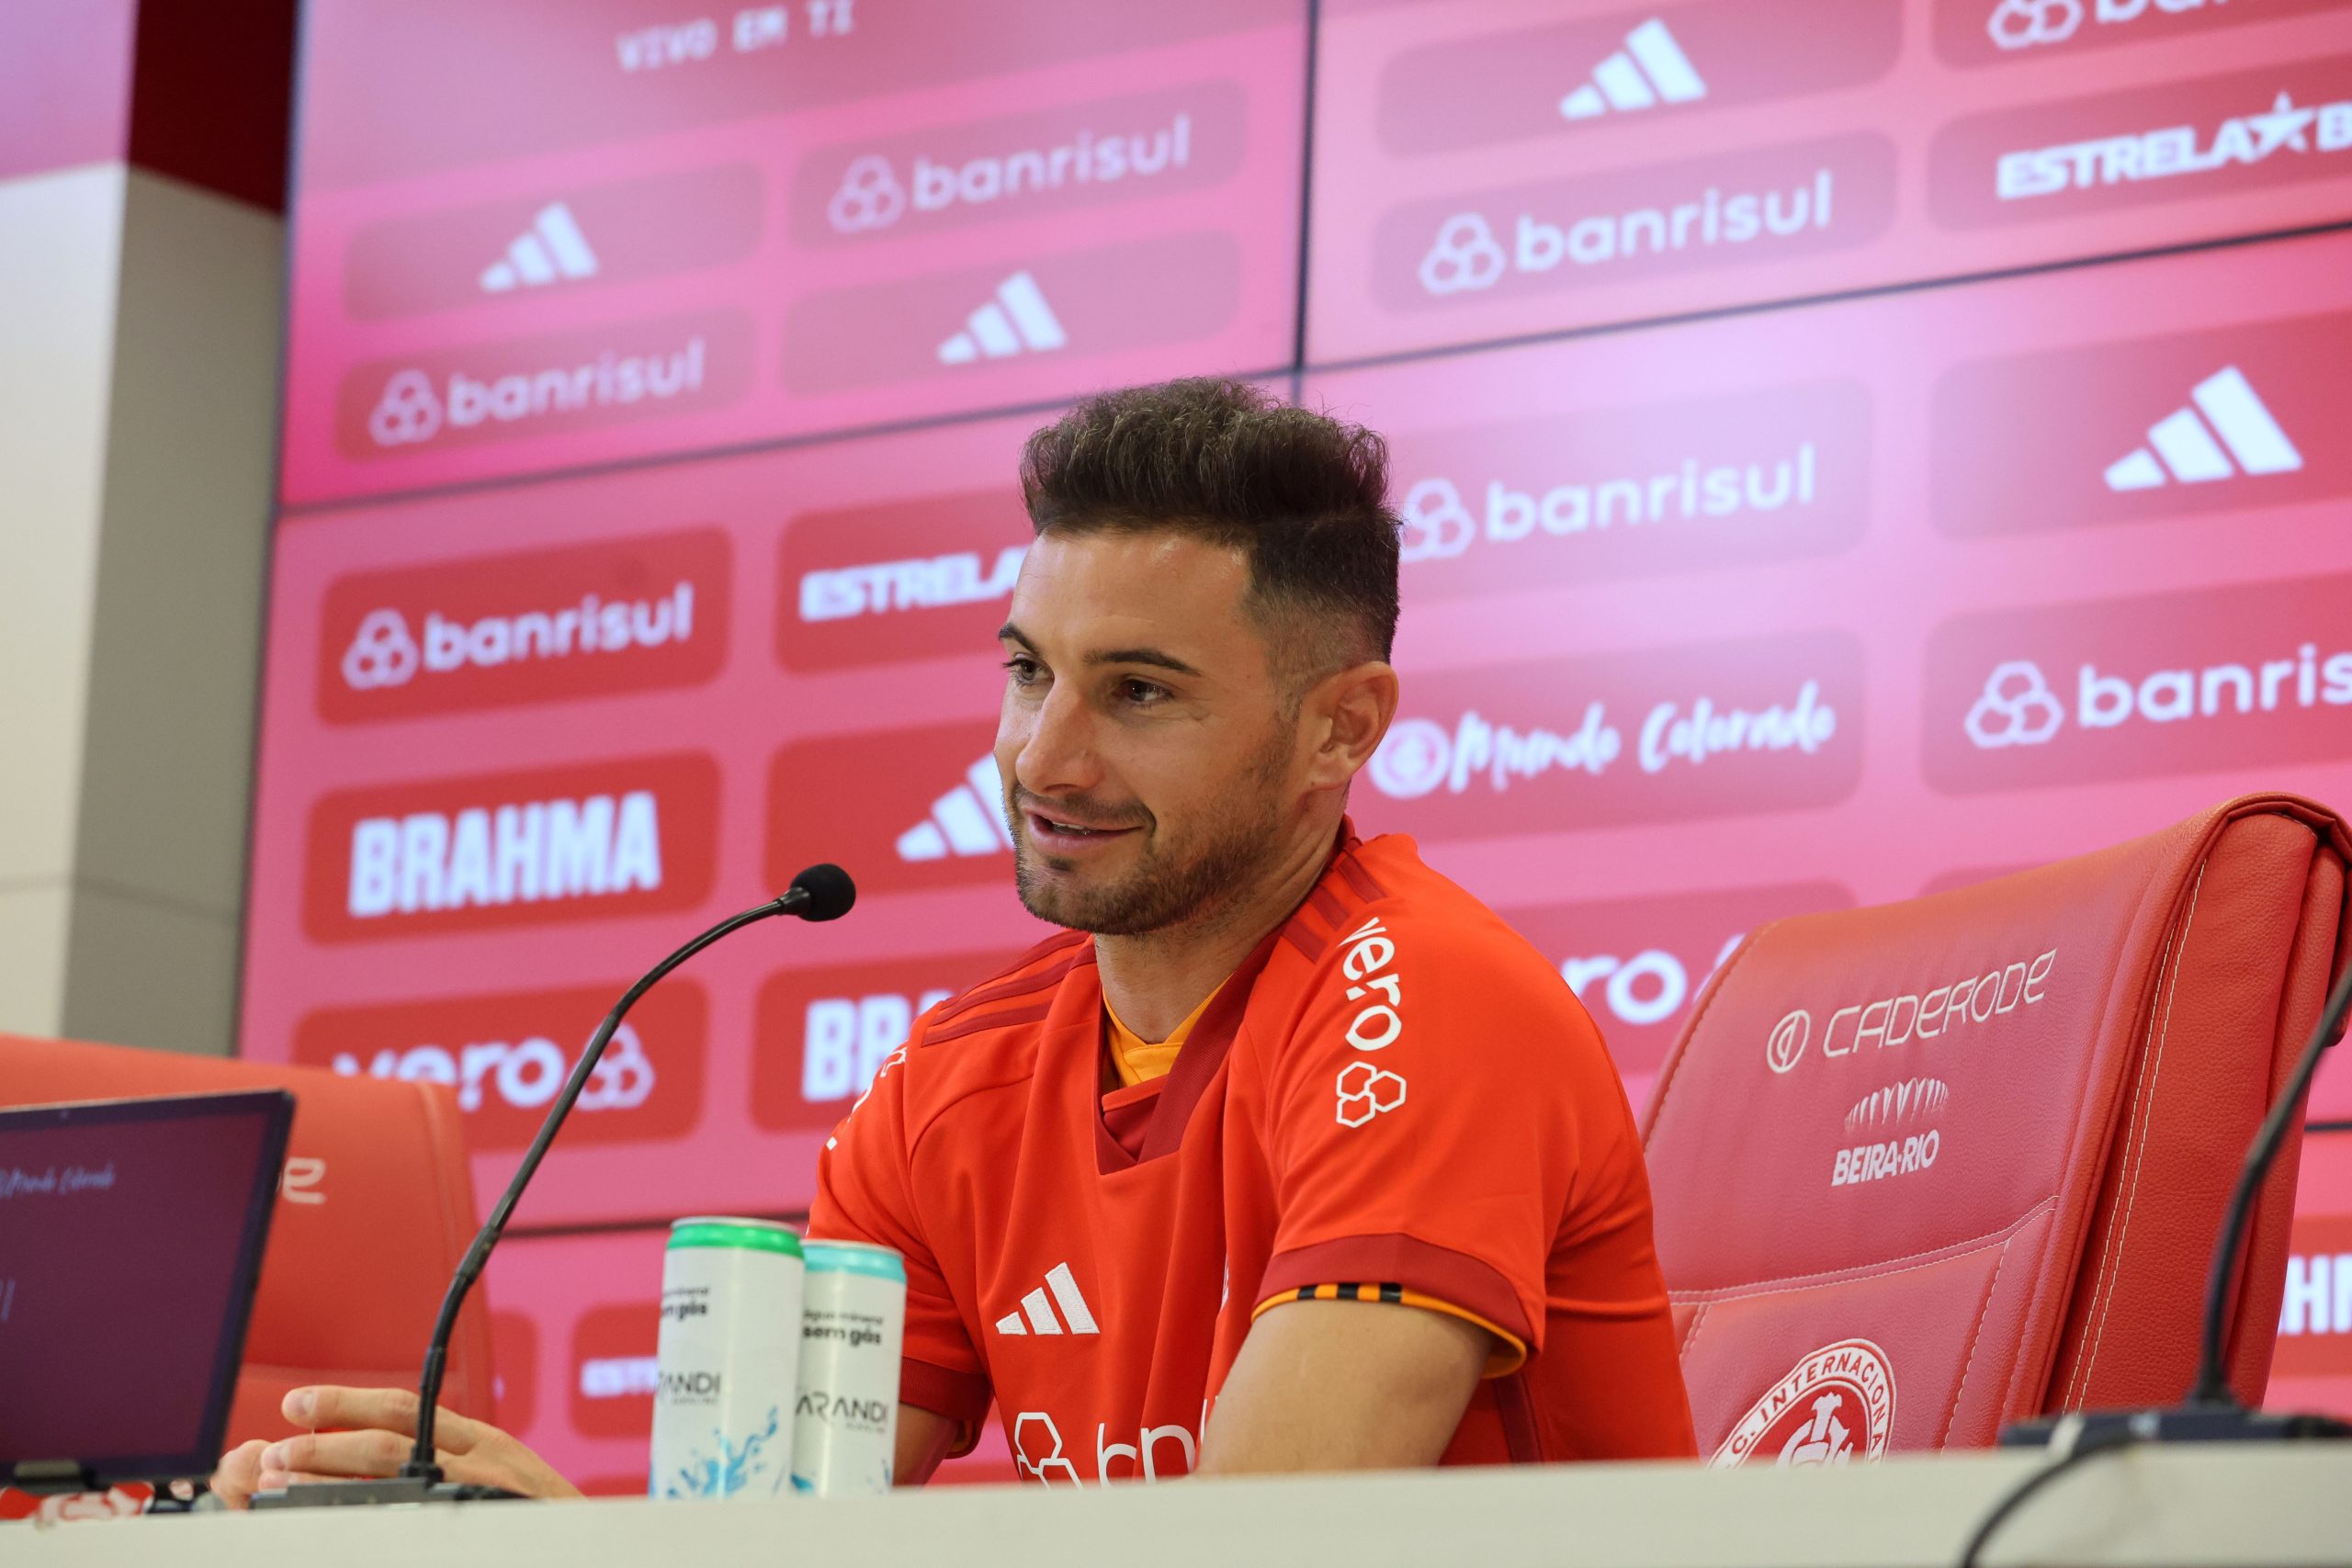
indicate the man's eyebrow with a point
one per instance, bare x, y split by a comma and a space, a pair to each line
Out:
1151, 657
1147, 656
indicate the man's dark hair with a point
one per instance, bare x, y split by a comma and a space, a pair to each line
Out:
1303, 496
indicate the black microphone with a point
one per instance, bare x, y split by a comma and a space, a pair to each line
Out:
820, 893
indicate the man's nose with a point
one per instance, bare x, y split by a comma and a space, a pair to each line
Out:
1058, 756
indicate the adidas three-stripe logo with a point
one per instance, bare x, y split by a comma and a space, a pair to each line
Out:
2185, 448
549, 251
1039, 1312
1016, 320
1650, 67
966, 820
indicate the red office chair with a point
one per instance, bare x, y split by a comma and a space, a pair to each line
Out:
1925, 1169
374, 1211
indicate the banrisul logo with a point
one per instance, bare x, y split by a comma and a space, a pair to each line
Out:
538, 385
2234, 677
1778, 474
1746, 204
625, 836
611, 616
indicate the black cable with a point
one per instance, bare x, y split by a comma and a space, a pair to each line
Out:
2212, 1384
2113, 1439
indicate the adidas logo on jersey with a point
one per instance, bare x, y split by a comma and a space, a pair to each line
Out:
1016, 320
1650, 67
2185, 448
966, 820
550, 251
1039, 1312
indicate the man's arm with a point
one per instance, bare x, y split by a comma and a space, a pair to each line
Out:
1343, 1386
924, 1437
378, 1428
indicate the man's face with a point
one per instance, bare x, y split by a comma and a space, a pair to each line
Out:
1147, 753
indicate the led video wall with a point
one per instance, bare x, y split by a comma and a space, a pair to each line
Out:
1946, 392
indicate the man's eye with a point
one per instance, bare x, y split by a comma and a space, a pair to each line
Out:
1021, 669
1141, 691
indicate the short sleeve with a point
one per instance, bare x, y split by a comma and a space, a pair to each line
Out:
865, 1193
1424, 1127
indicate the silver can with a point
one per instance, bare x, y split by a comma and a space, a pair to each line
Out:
728, 1359
853, 1320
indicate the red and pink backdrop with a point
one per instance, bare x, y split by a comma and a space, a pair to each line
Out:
1957, 384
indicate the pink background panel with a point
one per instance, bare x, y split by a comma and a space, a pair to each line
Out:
694, 225
742, 718
1512, 601
1429, 111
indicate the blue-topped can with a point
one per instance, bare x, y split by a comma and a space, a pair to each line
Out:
853, 1322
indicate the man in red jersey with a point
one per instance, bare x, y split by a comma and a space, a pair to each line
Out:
1289, 1155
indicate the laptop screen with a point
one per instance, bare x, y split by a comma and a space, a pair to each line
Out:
130, 1238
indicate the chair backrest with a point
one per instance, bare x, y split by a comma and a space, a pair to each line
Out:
375, 1209
1926, 1168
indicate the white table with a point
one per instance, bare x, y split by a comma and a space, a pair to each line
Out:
2248, 1505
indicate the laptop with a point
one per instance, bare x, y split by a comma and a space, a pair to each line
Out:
131, 1240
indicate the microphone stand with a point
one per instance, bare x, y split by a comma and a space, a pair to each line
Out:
820, 893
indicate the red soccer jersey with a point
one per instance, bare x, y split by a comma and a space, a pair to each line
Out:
1394, 1094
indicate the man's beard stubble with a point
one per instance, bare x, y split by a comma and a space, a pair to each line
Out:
1176, 885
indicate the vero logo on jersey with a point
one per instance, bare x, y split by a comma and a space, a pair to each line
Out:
553, 250
1650, 70
1035, 1313
2192, 450
966, 820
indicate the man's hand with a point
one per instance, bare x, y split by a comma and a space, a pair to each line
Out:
378, 1431
1344, 1385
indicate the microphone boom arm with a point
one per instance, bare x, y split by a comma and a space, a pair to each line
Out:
798, 899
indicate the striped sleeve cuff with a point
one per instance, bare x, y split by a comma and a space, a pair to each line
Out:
1510, 1352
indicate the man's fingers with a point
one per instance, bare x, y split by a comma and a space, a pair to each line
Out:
367, 1453
385, 1409
280, 1480
239, 1473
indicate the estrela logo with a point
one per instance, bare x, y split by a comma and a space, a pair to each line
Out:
1834, 1406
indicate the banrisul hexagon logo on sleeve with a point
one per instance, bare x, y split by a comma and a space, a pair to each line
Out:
1834, 1406
630, 837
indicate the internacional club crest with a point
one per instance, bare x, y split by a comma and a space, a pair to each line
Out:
1834, 1406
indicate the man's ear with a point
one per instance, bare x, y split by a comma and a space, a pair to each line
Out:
1350, 712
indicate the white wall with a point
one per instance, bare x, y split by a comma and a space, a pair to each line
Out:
140, 326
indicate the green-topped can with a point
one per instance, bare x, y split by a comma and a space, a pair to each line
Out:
728, 1358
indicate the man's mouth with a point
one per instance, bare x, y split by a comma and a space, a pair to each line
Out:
1063, 832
